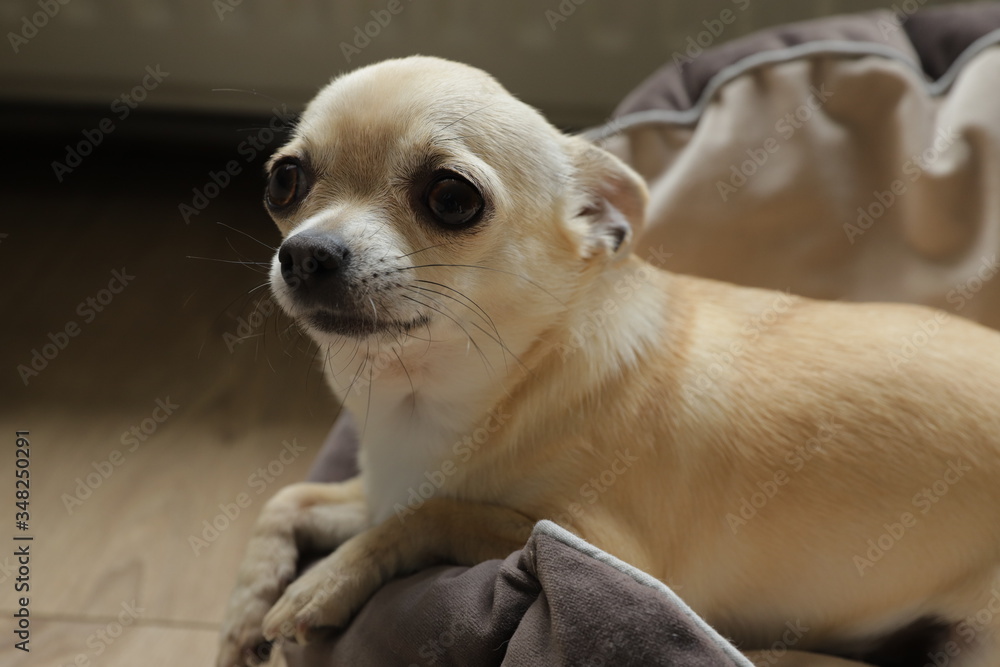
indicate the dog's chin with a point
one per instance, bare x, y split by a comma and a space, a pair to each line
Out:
340, 324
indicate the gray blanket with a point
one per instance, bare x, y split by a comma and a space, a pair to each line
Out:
558, 601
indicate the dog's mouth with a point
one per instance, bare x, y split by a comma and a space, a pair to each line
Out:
332, 287
342, 324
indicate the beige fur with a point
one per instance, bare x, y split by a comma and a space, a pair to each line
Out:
640, 409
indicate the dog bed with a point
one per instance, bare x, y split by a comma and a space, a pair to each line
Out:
853, 157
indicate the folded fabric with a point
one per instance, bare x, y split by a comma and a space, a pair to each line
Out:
558, 601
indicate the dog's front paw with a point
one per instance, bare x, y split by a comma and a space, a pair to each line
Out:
242, 638
268, 567
325, 597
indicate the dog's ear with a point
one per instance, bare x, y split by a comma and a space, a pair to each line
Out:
614, 199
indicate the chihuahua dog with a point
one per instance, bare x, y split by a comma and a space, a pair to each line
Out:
465, 268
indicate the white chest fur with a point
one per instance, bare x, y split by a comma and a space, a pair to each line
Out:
403, 463
415, 424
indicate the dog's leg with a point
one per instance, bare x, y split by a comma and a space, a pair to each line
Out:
442, 530
299, 517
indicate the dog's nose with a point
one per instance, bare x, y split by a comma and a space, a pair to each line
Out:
309, 261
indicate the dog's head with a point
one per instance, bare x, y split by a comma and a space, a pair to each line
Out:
417, 195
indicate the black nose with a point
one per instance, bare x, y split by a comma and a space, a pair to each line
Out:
312, 263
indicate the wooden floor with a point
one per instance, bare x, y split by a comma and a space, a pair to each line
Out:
118, 576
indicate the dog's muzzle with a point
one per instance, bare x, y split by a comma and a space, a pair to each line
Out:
316, 270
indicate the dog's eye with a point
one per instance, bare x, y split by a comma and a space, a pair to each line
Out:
454, 201
286, 184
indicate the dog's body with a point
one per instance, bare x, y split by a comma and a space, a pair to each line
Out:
773, 458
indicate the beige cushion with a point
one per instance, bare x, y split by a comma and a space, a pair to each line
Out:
831, 168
